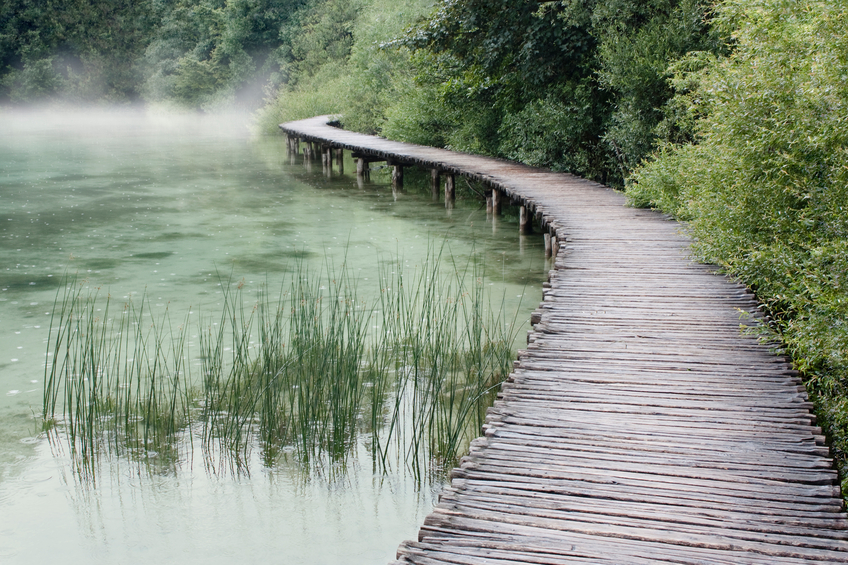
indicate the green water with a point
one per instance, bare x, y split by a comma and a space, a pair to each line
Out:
136, 203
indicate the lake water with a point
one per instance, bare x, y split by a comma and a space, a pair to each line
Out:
166, 205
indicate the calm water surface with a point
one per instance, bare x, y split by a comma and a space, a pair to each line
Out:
167, 206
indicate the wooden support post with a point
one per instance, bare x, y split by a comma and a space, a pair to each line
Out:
397, 175
548, 245
434, 183
496, 202
362, 170
340, 160
450, 190
525, 220
489, 203
555, 245
327, 160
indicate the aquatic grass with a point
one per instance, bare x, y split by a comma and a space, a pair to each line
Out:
119, 379
451, 351
311, 369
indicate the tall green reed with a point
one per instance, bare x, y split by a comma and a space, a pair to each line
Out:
115, 379
451, 347
311, 369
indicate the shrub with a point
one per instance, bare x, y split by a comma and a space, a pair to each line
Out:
766, 186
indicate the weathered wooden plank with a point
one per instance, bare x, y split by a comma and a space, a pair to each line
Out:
809, 523
483, 519
678, 481
665, 439
623, 548
783, 480
521, 508
625, 450
610, 490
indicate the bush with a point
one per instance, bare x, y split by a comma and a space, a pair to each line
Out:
766, 186
561, 132
357, 75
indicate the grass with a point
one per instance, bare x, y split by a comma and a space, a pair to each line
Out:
311, 368
119, 377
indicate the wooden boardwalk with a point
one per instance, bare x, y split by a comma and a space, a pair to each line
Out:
640, 425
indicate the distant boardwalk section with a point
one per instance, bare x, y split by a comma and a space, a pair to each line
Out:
640, 425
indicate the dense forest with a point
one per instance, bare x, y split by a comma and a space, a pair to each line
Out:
194, 53
729, 114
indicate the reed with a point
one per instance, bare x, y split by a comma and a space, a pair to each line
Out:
451, 349
310, 368
119, 378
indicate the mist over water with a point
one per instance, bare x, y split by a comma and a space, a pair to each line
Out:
177, 207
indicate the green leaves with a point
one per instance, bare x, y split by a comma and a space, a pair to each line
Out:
576, 85
194, 52
766, 187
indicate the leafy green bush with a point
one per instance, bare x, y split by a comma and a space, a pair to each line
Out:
575, 86
355, 75
560, 131
37, 79
637, 41
766, 186
309, 99
74, 49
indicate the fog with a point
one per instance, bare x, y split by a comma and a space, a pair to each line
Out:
92, 121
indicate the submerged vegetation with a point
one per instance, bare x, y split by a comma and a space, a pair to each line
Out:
311, 370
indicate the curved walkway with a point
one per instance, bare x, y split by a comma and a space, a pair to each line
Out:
640, 425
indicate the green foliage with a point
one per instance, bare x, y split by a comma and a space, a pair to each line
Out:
766, 187
210, 52
559, 131
576, 85
659, 183
418, 116
637, 42
37, 79
193, 52
309, 99
357, 75
75, 49
481, 63
324, 35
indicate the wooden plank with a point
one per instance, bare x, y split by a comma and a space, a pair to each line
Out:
647, 517
485, 520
